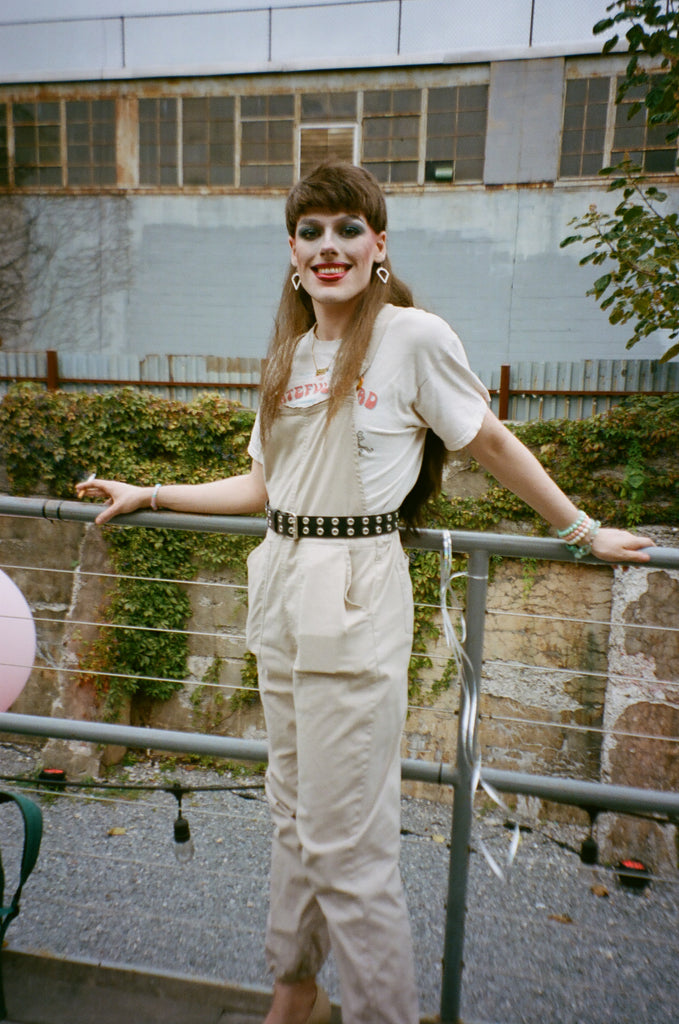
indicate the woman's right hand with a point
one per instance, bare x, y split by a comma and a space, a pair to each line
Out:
120, 497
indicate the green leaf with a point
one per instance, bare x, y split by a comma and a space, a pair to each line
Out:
672, 351
633, 213
569, 241
602, 25
601, 284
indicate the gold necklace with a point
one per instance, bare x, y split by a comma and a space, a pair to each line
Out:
320, 370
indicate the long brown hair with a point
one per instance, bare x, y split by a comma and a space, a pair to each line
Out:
337, 187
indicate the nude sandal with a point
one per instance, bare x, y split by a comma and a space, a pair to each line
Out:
320, 1011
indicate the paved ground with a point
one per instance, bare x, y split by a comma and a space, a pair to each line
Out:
541, 949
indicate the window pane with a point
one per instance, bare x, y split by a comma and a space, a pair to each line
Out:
49, 176
253, 106
381, 171
37, 144
158, 142
195, 175
660, 161
221, 108
48, 112
253, 175
599, 89
281, 106
266, 140
376, 102
91, 133
596, 115
470, 145
573, 118
570, 165
254, 131
222, 174
194, 132
404, 173
375, 149
376, 128
584, 127
591, 163
468, 170
280, 177
194, 109
456, 133
440, 149
208, 140
472, 97
328, 106
442, 100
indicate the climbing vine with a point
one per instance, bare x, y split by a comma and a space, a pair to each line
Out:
622, 466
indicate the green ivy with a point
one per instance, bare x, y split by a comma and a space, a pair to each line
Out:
622, 466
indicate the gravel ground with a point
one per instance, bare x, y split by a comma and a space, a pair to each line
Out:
542, 948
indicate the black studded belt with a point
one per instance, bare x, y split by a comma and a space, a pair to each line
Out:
290, 525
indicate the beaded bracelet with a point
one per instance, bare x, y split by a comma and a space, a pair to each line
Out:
154, 497
578, 537
583, 545
581, 518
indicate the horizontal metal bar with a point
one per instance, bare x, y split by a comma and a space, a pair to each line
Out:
510, 545
597, 795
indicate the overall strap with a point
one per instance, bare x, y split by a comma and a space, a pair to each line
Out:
382, 321
32, 816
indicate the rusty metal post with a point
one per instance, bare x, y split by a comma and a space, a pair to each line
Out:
52, 370
503, 411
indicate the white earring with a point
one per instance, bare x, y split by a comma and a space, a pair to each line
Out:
383, 274
296, 281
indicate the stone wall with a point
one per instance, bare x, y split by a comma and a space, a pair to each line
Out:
581, 665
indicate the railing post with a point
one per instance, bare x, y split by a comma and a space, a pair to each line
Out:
52, 370
477, 587
503, 408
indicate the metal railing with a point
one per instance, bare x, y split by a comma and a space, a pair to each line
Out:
593, 796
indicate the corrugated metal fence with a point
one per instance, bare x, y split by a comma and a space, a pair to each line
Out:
574, 391
525, 391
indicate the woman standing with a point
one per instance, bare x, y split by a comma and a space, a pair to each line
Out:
362, 395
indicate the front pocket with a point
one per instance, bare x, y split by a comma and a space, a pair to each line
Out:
335, 625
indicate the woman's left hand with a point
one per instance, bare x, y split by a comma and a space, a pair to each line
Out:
621, 546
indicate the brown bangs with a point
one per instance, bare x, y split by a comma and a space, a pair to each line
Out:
337, 188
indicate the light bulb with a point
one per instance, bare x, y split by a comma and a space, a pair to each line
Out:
183, 843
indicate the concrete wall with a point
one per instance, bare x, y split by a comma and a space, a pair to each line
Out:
201, 275
50, 40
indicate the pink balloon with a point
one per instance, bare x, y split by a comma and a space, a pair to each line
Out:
17, 641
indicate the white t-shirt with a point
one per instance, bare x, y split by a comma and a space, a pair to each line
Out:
419, 378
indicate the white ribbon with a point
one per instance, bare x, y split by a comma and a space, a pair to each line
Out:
469, 704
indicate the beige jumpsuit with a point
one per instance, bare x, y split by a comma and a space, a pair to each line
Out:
330, 621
